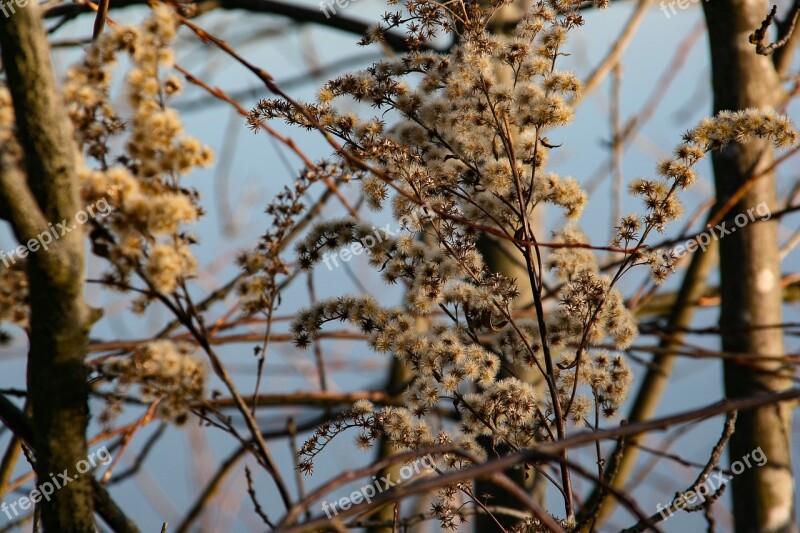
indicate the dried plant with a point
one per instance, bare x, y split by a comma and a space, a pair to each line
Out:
461, 137
164, 371
469, 142
144, 234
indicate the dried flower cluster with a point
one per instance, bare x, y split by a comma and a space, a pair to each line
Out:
470, 145
658, 195
258, 288
13, 279
144, 235
468, 142
14, 294
163, 371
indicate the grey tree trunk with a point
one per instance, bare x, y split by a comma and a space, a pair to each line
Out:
47, 192
750, 273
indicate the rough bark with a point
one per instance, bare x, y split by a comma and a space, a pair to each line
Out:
59, 318
750, 273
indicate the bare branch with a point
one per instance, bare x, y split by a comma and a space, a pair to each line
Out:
785, 30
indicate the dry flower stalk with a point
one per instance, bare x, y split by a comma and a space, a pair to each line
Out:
471, 145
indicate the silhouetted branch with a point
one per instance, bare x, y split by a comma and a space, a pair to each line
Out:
15, 419
297, 13
785, 30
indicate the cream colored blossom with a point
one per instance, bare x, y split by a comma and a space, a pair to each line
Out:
167, 266
164, 371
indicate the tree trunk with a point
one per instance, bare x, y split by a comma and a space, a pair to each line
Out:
59, 319
750, 274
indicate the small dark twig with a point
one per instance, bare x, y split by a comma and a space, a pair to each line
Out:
785, 30
100, 19
291, 430
251, 490
591, 515
140, 458
708, 500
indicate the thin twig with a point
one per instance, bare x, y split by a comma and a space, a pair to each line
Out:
100, 19
785, 30
251, 490
716, 454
